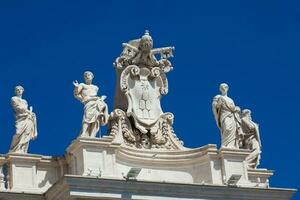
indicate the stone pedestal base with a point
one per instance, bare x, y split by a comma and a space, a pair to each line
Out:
23, 171
91, 157
206, 165
84, 188
259, 177
2, 175
233, 163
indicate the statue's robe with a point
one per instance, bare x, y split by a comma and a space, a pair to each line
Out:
26, 128
95, 114
228, 121
252, 141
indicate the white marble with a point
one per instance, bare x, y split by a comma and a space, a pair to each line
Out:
95, 168
141, 137
32, 173
79, 187
141, 82
26, 124
104, 158
237, 128
227, 116
2, 173
95, 109
251, 139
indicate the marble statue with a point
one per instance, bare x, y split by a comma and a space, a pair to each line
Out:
26, 127
251, 139
141, 149
227, 116
141, 82
95, 109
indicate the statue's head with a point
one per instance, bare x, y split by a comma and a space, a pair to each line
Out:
88, 76
246, 112
224, 88
19, 90
146, 43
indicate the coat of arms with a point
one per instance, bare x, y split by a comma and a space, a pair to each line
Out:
138, 115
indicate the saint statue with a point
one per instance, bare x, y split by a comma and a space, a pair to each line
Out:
251, 139
227, 116
26, 128
95, 109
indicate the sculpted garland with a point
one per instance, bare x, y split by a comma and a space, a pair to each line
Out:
137, 119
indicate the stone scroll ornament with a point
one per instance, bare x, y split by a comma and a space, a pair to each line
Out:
141, 82
26, 126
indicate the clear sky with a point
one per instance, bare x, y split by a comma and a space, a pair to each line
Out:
254, 46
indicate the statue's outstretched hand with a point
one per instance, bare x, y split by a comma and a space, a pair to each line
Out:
75, 83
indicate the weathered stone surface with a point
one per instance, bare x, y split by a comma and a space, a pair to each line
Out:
95, 109
141, 82
26, 128
78, 187
238, 131
141, 158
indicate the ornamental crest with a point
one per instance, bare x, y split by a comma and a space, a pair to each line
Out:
141, 82
143, 89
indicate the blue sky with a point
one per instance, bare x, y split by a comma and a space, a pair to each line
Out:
254, 46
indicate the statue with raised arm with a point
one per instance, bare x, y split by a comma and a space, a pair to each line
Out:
251, 139
227, 116
95, 109
26, 128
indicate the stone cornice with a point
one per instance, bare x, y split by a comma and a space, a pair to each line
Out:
98, 188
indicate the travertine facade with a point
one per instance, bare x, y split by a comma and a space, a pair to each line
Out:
141, 156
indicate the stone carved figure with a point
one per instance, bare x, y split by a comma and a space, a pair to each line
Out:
95, 109
227, 116
26, 124
141, 82
140, 52
251, 139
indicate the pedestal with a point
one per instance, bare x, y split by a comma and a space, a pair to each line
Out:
2, 175
234, 164
259, 177
23, 171
91, 157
